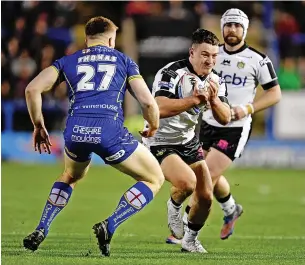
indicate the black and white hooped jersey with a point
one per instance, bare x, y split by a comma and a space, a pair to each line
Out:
242, 70
178, 129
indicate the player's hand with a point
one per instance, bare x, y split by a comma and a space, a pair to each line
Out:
41, 139
201, 95
238, 113
148, 132
213, 89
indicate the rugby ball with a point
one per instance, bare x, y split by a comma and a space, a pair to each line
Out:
186, 87
214, 77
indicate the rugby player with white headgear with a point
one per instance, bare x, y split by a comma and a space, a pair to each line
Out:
243, 69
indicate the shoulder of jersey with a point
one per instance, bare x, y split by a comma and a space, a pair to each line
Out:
173, 66
176, 65
215, 72
169, 64
256, 53
250, 50
121, 55
78, 52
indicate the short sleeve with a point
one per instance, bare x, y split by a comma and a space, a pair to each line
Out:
58, 65
132, 70
266, 75
165, 83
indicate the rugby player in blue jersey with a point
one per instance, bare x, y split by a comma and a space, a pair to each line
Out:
97, 77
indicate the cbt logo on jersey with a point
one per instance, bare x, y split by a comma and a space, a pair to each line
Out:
233, 79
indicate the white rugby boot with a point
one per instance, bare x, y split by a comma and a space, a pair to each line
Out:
190, 242
174, 220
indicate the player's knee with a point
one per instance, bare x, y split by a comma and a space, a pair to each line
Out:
205, 194
206, 197
187, 185
161, 180
158, 181
71, 179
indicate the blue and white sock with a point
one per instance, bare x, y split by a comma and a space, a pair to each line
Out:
57, 200
133, 200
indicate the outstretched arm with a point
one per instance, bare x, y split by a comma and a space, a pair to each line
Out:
41, 83
148, 104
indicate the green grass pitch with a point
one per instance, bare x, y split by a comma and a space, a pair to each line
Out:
271, 230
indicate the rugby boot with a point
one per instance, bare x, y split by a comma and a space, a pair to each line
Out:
175, 223
229, 222
32, 241
103, 237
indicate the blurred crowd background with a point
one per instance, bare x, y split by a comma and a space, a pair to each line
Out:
35, 33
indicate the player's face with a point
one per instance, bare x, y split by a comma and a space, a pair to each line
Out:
203, 57
233, 33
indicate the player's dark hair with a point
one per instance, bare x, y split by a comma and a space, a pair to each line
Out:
204, 36
99, 25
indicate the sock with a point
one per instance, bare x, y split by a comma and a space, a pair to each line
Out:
185, 215
133, 200
57, 200
190, 234
194, 227
175, 204
227, 204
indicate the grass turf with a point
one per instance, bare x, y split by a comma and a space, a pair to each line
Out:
271, 230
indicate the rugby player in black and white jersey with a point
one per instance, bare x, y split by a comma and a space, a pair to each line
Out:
243, 69
175, 145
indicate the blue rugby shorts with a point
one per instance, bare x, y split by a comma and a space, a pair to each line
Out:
105, 137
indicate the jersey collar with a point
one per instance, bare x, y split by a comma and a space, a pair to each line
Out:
245, 46
97, 44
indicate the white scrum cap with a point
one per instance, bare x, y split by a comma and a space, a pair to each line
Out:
235, 15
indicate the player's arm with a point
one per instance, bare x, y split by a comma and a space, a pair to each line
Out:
270, 96
138, 89
165, 94
148, 104
41, 83
267, 78
219, 103
170, 106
